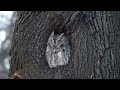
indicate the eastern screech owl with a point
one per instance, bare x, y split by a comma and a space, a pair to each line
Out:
58, 50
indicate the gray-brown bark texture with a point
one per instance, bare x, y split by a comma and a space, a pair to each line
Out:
94, 38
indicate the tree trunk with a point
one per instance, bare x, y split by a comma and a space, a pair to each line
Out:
94, 39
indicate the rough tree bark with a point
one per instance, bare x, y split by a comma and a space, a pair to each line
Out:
94, 37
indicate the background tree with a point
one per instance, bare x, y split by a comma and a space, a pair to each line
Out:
94, 38
7, 20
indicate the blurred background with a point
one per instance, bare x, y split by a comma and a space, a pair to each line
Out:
7, 22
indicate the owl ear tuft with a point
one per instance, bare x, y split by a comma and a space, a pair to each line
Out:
59, 38
52, 34
51, 37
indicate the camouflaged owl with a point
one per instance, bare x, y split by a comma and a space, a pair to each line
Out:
58, 50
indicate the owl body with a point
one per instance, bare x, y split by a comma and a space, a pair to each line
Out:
58, 50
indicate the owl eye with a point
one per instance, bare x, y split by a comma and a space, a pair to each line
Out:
61, 45
48, 44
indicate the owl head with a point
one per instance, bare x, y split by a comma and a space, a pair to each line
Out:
57, 41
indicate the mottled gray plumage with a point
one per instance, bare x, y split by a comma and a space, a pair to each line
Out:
58, 50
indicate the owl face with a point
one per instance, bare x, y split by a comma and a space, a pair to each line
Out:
56, 42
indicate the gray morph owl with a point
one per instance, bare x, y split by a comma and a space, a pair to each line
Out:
58, 50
